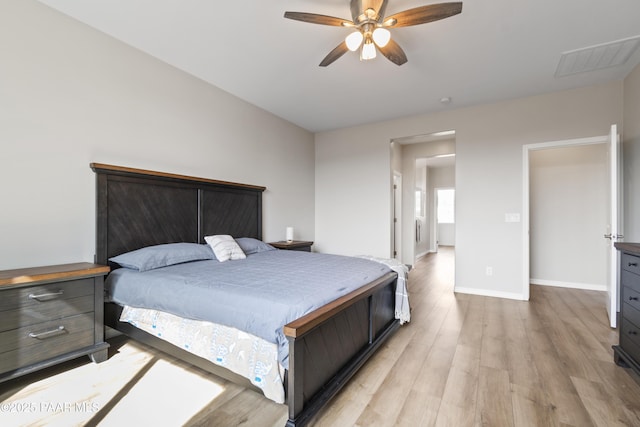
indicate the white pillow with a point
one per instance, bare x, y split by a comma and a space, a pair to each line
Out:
225, 247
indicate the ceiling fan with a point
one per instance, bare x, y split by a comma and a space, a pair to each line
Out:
371, 25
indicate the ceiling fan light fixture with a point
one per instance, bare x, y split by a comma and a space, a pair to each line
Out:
390, 22
368, 50
369, 27
354, 40
381, 36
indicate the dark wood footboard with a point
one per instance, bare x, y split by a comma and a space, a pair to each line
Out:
329, 345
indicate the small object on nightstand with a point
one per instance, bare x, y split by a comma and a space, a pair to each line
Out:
49, 315
294, 245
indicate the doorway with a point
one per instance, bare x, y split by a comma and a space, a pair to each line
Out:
433, 175
417, 158
570, 205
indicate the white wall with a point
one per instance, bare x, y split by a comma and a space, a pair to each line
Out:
631, 156
70, 95
352, 178
353, 197
568, 216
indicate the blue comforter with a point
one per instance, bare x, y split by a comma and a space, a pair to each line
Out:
258, 295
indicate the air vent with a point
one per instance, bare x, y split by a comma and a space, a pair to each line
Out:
597, 57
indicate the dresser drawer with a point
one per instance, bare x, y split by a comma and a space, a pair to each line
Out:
630, 263
33, 296
631, 297
631, 313
630, 339
25, 346
45, 311
630, 280
40, 332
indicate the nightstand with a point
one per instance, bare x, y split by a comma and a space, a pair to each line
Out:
294, 245
49, 315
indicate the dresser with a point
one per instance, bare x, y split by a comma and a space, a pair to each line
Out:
628, 351
50, 315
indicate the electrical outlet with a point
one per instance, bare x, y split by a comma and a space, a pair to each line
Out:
489, 271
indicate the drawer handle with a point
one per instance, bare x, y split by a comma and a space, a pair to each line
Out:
632, 264
49, 295
633, 298
48, 334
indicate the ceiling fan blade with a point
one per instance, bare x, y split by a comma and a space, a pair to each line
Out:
358, 8
394, 52
336, 53
423, 14
318, 19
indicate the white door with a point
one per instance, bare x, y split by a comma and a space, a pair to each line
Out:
613, 231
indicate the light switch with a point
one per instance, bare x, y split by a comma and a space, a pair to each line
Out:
512, 217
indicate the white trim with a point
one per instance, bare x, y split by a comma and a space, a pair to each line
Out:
489, 293
572, 285
525, 196
525, 223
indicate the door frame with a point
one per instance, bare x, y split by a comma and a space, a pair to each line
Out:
526, 149
396, 216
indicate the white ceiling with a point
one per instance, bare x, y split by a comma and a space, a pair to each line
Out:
493, 50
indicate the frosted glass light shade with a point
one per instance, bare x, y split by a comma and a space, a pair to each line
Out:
354, 40
381, 36
368, 51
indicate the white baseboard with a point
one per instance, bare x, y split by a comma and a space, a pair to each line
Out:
489, 293
572, 285
421, 254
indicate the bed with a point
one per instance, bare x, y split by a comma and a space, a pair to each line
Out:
139, 208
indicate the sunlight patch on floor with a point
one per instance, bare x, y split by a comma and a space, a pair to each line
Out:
166, 395
131, 388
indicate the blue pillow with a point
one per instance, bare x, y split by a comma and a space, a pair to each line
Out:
252, 246
157, 256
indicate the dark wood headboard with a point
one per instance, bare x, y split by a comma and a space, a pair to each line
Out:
137, 208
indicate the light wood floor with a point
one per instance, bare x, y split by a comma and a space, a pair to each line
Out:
463, 360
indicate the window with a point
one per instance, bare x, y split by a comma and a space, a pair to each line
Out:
446, 203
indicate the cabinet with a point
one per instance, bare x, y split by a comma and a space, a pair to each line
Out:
295, 245
50, 315
628, 351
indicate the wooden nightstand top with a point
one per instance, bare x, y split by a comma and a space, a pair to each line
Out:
49, 273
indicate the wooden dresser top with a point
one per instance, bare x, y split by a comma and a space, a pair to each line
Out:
50, 273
